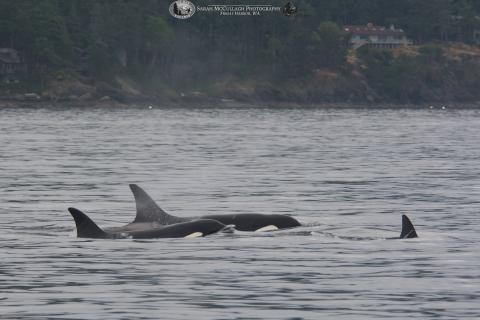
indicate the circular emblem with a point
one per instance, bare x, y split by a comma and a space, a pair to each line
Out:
182, 9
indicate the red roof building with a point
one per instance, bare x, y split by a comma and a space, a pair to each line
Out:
376, 36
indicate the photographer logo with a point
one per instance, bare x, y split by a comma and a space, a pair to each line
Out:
182, 9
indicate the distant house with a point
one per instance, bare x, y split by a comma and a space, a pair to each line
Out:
376, 36
11, 67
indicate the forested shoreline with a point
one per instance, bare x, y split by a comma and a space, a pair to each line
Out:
125, 51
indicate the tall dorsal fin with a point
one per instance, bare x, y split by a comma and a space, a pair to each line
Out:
408, 230
86, 228
148, 210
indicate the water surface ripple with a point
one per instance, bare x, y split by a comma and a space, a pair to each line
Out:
348, 175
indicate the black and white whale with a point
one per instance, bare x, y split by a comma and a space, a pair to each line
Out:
152, 222
149, 211
408, 230
86, 228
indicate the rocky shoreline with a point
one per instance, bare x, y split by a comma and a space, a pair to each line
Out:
33, 100
450, 81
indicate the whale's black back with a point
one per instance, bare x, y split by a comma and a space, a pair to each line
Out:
149, 211
181, 230
253, 222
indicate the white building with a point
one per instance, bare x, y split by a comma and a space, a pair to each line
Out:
376, 36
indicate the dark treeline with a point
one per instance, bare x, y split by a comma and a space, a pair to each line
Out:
102, 39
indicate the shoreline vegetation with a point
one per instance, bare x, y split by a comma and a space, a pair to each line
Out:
102, 53
451, 76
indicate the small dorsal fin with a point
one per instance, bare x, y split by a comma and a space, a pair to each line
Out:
408, 230
86, 228
148, 210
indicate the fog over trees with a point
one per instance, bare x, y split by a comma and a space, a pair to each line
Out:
101, 39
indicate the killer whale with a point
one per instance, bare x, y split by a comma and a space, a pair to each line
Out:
152, 222
408, 230
86, 228
149, 211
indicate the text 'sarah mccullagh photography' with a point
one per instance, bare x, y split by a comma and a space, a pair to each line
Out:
183, 9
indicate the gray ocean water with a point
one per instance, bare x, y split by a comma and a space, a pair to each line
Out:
347, 175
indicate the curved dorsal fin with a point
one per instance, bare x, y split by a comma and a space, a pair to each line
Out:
86, 228
148, 210
408, 230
